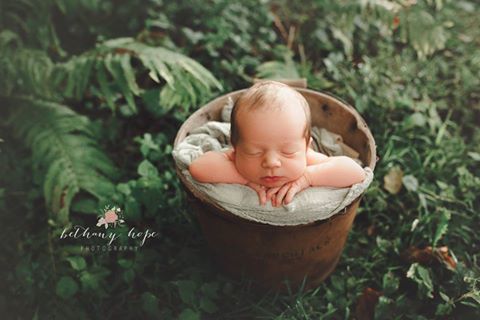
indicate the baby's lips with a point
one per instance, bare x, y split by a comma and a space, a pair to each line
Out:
268, 180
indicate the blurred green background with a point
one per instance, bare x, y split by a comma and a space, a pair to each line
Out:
93, 92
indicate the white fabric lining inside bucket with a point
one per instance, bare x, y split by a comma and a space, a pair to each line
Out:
311, 204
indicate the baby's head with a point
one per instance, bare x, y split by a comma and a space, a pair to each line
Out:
270, 133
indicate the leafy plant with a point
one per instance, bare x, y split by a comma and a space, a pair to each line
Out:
278, 70
115, 66
64, 147
67, 157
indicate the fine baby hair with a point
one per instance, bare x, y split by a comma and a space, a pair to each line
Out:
266, 95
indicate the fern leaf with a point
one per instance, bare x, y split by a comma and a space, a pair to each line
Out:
422, 31
23, 71
278, 69
111, 66
129, 75
159, 68
442, 225
64, 150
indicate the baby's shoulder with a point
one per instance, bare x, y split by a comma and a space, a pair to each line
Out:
314, 157
313, 152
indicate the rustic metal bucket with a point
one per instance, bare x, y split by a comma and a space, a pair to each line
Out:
277, 257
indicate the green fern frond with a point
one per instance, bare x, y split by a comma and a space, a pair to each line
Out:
33, 20
417, 26
64, 152
113, 66
422, 31
278, 69
23, 71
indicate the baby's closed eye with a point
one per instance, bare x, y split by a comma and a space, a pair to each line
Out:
290, 152
253, 153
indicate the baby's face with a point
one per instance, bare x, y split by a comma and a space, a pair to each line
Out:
272, 148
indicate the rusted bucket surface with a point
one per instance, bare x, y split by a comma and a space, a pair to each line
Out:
271, 255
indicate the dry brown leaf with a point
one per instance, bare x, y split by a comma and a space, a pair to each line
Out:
428, 255
392, 181
423, 256
365, 308
443, 255
371, 230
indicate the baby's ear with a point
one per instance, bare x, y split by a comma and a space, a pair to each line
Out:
310, 142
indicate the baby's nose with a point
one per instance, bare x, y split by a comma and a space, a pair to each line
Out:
271, 161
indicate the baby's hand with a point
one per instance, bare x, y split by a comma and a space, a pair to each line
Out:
286, 192
261, 191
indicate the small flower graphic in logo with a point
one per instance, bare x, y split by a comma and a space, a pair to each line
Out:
110, 215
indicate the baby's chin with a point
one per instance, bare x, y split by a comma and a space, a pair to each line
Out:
276, 183
273, 184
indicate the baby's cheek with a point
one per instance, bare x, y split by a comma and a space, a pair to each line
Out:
246, 168
297, 168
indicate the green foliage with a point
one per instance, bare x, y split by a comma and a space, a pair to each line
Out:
64, 147
24, 71
362, 26
113, 65
421, 30
32, 20
227, 37
66, 287
65, 152
278, 70
422, 277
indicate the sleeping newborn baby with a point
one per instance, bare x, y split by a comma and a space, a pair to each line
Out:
271, 153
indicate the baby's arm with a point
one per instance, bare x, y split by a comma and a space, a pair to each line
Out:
321, 171
215, 167
340, 172
314, 157
219, 167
